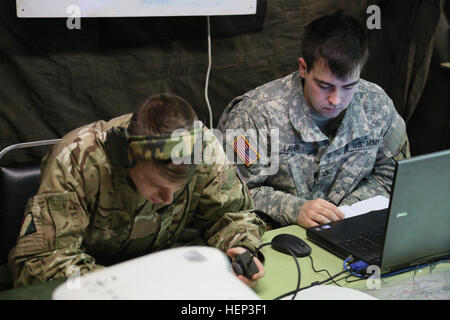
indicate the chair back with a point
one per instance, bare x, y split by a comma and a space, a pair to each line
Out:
18, 182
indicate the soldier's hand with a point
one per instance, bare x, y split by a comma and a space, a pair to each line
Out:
254, 280
318, 211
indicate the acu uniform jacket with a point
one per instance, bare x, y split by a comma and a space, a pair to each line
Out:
356, 164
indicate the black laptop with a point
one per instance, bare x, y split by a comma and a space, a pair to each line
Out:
414, 230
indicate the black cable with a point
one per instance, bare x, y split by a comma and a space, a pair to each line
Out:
323, 270
365, 277
311, 285
296, 262
298, 272
298, 289
345, 278
259, 248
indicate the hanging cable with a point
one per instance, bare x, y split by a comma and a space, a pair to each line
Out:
207, 73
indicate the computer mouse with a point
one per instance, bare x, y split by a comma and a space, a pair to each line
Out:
298, 247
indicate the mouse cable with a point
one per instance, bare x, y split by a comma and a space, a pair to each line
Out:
257, 252
311, 285
323, 270
298, 272
296, 263
260, 247
298, 289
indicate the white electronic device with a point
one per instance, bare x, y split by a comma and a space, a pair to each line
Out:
184, 273
131, 8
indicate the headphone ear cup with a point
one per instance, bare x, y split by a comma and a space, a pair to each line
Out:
116, 144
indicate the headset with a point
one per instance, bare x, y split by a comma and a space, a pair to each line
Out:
117, 145
123, 149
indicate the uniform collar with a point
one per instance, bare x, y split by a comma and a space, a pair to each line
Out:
354, 125
300, 114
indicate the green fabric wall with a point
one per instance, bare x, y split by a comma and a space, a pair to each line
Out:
53, 79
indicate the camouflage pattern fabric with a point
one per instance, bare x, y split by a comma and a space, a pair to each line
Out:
87, 213
356, 164
179, 144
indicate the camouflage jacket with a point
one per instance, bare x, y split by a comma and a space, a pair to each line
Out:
87, 211
356, 164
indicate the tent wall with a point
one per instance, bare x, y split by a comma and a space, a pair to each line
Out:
53, 79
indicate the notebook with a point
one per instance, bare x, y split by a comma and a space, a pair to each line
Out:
413, 230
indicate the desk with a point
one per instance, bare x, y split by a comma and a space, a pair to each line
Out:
281, 275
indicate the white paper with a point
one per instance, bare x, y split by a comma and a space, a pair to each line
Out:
364, 206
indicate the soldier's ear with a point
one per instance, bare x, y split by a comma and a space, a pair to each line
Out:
302, 67
116, 144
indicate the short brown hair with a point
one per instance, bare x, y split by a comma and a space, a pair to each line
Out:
162, 114
338, 40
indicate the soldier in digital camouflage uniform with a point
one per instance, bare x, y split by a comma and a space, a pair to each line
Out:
94, 209
338, 134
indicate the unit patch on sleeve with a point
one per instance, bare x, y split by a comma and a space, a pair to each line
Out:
28, 226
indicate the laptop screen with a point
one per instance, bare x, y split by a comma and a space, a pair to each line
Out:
419, 220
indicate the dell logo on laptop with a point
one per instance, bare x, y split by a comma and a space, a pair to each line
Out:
401, 214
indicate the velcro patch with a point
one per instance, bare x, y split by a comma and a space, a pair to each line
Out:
245, 151
363, 144
28, 226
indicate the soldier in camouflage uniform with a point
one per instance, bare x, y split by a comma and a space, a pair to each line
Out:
101, 201
338, 134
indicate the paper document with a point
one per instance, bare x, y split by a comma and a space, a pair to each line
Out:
364, 206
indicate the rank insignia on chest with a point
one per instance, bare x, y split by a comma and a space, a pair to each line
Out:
245, 151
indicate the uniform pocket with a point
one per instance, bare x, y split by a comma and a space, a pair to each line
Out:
357, 166
69, 218
301, 174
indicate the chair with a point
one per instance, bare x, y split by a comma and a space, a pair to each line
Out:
18, 182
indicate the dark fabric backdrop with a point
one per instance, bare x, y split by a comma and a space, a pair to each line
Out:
53, 79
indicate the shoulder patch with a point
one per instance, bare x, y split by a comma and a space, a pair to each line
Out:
28, 226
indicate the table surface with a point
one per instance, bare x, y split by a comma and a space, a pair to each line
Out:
281, 274
432, 282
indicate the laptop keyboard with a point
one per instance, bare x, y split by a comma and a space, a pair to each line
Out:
370, 244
